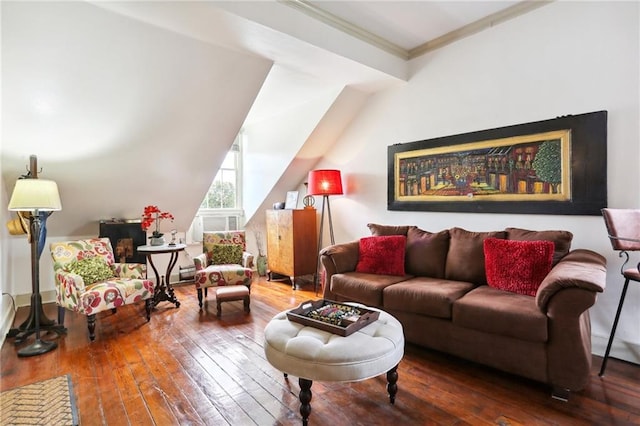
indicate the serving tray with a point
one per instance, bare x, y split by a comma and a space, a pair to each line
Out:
334, 317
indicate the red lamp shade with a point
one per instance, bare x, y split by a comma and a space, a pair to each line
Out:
325, 182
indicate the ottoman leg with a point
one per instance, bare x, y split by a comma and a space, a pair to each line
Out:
218, 307
200, 297
392, 383
246, 301
305, 399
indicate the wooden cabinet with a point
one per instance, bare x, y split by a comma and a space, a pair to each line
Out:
292, 243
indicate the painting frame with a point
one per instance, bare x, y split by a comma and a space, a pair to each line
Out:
291, 202
556, 166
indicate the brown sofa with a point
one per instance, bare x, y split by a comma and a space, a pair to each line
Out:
444, 302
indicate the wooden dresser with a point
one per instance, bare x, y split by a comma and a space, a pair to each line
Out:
292, 241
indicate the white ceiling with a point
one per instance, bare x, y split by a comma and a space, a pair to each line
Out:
409, 24
318, 45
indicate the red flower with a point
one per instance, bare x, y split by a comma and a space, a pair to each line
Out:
153, 214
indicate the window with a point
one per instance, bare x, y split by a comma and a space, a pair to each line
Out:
225, 191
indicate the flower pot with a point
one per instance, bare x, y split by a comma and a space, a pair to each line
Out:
261, 265
156, 241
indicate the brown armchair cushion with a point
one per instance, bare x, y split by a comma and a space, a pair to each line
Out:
465, 259
426, 252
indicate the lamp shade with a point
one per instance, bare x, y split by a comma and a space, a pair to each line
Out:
325, 182
35, 194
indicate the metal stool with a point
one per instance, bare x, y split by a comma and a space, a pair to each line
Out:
622, 225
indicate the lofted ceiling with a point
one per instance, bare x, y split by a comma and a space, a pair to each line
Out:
381, 35
113, 93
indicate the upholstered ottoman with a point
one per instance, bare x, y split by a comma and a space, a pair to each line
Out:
313, 354
228, 293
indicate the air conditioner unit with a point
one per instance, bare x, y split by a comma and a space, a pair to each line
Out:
212, 223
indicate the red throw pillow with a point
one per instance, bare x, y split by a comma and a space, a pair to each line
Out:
517, 266
382, 255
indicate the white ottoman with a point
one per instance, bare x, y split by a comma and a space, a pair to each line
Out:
313, 354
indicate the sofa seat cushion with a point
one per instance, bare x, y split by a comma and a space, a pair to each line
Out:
501, 312
425, 296
362, 287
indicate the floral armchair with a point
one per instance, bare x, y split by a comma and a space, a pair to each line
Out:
89, 281
224, 261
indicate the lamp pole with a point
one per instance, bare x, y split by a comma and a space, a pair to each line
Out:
39, 346
325, 183
39, 197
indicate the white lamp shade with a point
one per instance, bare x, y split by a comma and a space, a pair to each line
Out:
35, 194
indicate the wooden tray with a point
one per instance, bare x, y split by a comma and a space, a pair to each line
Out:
341, 319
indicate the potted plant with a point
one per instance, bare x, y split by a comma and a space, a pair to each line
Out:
151, 215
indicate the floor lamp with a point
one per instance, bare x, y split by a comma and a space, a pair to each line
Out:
325, 183
35, 196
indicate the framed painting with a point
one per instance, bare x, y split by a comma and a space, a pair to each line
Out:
556, 166
291, 201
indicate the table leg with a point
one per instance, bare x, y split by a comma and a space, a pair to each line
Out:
305, 399
171, 295
163, 290
392, 383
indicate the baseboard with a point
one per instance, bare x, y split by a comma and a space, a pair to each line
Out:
625, 351
48, 296
8, 316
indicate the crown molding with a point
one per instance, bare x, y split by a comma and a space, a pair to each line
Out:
489, 21
346, 27
355, 31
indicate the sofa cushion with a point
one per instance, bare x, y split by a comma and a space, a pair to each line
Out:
92, 269
517, 266
501, 312
426, 252
380, 230
382, 255
465, 259
226, 254
363, 288
561, 239
433, 297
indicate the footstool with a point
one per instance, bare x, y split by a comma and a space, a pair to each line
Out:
313, 354
228, 293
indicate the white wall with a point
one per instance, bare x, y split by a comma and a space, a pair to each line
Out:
564, 58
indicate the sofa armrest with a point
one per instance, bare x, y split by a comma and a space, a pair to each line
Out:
338, 259
565, 296
583, 269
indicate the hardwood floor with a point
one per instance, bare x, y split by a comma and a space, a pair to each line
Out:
189, 367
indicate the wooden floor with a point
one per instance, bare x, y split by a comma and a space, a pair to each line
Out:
188, 367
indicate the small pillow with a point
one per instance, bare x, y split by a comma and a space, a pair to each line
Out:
380, 230
465, 259
226, 254
517, 266
91, 269
426, 253
561, 239
382, 255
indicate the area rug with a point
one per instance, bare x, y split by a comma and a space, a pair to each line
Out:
50, 402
